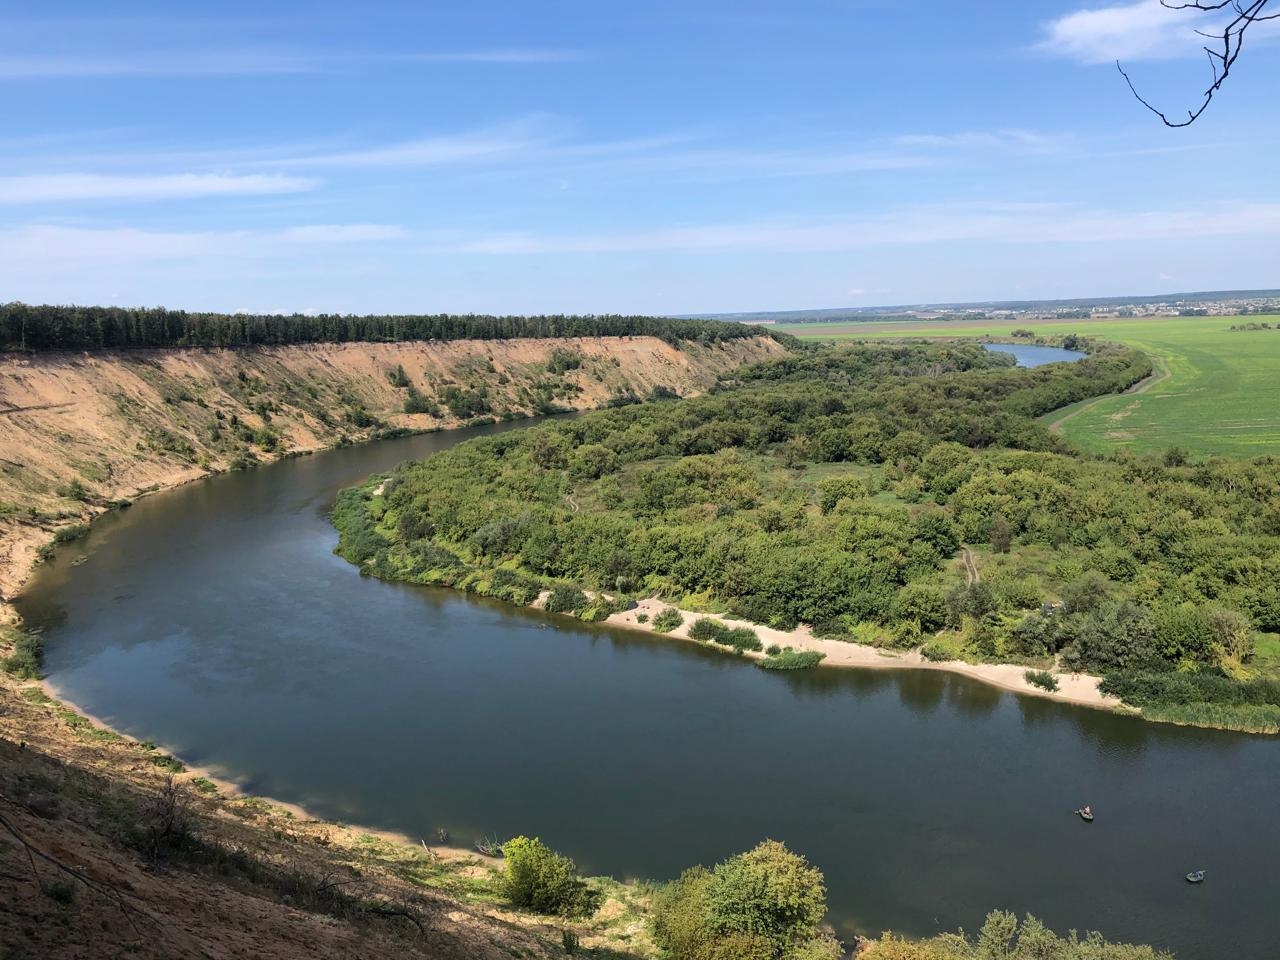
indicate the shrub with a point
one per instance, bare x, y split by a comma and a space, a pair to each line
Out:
790, 659
936, 653
740, 638
562, 360
706, 629
71, 532
28, 652
922, 602
539, 879
415, 402
642, 618
765, 904
767, 892
773, 650
566, 599
667, 620
1042, 679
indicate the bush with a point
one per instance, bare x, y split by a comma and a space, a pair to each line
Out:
1147, 688
936, 653
740, 638
415, 402
28, 652
1003, 936
765, 904
566, 599
642, 618
790, 659
539, 879
922, 602
668, 619
71, 532
706, 629
1042, 679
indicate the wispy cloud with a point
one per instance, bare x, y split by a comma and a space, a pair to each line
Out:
948, 223
1144, 30
194, 63
1028, 140
495, 56
542, 143
49, 188
238, 61
492, 143
46, 246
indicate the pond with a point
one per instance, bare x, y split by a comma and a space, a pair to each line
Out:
215, 620
1030, 355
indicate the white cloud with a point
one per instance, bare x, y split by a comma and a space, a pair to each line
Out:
504, 141
494, 56
50, 248
195, 63
49, 188
855, 292
949, 223
984, 139
1132, 31
232, 62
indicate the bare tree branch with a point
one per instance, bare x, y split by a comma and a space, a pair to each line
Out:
1229, 41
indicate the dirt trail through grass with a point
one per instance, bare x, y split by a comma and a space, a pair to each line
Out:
1158, 375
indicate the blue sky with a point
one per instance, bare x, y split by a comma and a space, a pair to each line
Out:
657, 157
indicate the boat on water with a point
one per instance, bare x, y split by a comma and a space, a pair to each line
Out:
1085, 815
1195, 876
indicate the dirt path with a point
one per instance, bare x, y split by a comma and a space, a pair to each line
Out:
971, 573
1158, 375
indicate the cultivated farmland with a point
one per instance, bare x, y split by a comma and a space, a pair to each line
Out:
1216, 391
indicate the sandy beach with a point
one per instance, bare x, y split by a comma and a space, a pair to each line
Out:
1079, 689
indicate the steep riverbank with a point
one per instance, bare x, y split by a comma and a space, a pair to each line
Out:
80, 432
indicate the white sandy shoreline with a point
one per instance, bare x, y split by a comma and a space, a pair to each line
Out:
1078, 689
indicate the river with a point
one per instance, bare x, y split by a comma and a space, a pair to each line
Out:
1033, 355
215, 620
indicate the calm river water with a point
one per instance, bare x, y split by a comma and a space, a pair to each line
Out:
1030, 355
215, 620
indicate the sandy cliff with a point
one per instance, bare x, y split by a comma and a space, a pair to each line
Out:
80, 430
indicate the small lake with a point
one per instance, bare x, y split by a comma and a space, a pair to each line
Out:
215, 620
1030, 355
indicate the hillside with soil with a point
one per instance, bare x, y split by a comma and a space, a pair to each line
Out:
82, 431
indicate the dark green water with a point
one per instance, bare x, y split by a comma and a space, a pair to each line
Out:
215, 621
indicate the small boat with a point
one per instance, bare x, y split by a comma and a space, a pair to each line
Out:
1195, 876
1085, 815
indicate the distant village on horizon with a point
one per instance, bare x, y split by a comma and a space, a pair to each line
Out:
1232, 303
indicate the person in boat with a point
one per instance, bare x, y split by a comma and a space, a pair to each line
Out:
1088, 810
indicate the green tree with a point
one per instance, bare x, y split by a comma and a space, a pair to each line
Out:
539, 879
1001, 534
768, 892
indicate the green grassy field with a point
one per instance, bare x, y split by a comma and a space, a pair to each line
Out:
1215, 391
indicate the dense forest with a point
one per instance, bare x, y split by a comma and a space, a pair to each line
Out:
838, 488
25, 327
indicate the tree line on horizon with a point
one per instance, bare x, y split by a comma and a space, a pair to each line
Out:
26, 327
